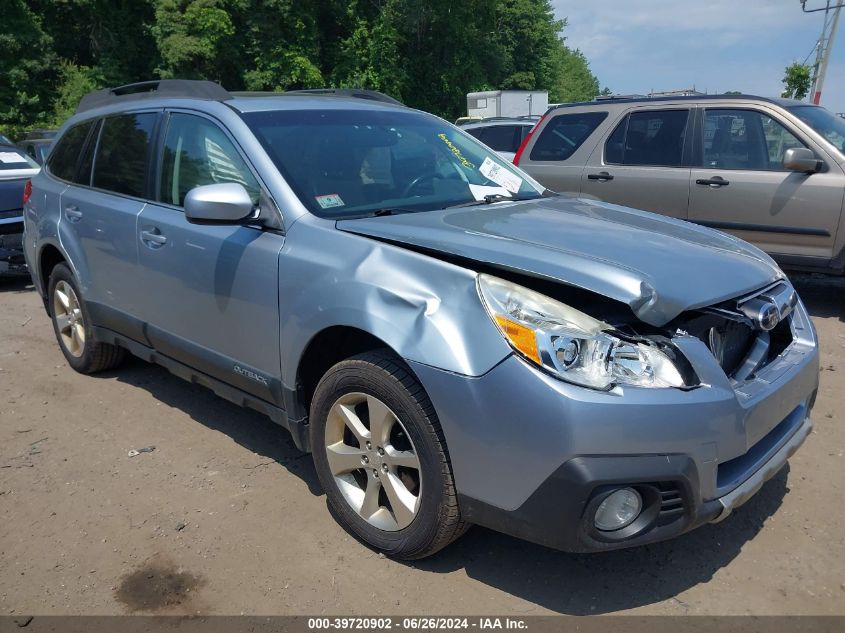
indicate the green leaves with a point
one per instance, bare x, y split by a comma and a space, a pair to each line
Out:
428, 53
796, 81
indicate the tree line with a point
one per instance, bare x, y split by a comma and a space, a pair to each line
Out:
427, 53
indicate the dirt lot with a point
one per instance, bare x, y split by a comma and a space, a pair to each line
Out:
225, 516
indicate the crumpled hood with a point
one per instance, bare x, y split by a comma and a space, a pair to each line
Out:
657, 265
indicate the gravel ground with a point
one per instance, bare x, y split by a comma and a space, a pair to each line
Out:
224, 516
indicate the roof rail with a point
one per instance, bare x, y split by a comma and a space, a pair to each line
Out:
355, 93
620, 97
194, 89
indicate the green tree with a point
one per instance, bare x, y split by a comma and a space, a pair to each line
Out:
27, 68
573, 80
110, 36
796, 81
281, 40
195, 40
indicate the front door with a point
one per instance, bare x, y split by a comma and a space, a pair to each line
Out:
741, 186
211, 291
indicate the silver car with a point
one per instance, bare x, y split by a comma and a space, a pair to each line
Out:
770, 171
504, 135
453, 343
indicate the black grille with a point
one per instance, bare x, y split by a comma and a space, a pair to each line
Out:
671, 503
729, 340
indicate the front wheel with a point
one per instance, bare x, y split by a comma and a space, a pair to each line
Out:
381, 457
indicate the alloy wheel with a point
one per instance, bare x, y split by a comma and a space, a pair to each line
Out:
373, 461
68, 315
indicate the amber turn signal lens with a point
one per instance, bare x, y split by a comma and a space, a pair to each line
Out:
521, 337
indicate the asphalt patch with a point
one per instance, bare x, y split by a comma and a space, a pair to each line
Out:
157, 586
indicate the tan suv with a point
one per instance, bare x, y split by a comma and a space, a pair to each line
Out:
771, 171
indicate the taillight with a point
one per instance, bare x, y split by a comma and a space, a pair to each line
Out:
525, 141
27, 191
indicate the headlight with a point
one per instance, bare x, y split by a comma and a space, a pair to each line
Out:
574, 346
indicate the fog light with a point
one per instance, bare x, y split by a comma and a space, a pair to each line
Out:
618, 510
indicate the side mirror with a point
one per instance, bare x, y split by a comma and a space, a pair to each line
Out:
225, 203
801, 159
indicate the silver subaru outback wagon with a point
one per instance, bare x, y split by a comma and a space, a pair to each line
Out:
454, 344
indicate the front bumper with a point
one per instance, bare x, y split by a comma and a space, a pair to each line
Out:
533, 456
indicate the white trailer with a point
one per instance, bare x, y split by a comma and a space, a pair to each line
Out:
507, 103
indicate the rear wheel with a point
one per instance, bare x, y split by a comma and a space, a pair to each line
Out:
380, 455
72, 326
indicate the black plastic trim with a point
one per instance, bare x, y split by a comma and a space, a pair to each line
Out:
230, 370
763, 228
559, 513
222, 389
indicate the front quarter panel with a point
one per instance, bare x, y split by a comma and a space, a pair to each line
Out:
426, 310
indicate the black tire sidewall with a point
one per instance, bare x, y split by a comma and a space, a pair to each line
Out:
356, 376
81, 363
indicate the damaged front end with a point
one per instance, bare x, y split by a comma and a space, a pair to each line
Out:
579, 348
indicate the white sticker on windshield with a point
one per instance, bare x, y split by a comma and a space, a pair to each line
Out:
479, 191
11, 157
500, 175
329, 201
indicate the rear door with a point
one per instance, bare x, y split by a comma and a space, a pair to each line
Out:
211, 291
98, 215
740, 185
559, 148
644, 162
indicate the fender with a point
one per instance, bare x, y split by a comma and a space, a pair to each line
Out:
425, 309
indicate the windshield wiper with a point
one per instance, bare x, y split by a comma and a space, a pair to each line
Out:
377, 213
490, 198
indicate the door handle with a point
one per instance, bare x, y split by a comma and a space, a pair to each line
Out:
715, 182
72, 213
153, 240
602, 176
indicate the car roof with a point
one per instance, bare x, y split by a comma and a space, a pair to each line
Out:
165, 91
605, 101
499, 121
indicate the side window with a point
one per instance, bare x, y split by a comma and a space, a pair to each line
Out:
196, 153
66, 155
501, 138
564, 134
651, 137
86, 162
744, 139
120, 163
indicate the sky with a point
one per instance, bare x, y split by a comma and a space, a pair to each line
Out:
636, 46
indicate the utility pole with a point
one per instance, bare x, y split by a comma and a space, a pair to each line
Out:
825, 43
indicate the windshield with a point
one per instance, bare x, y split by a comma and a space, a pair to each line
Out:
824, 122
346, 163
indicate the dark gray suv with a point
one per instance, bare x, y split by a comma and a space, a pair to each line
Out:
454, 343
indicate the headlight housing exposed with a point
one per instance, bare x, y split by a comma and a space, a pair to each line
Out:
572, 345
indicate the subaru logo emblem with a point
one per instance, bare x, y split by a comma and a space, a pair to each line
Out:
768, 317
770, 307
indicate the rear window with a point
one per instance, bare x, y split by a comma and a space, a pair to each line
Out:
65, 157
652, 137
120, 164
502, 138
564, 134
13, 159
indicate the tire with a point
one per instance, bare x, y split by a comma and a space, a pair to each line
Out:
72, 326
362, 384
